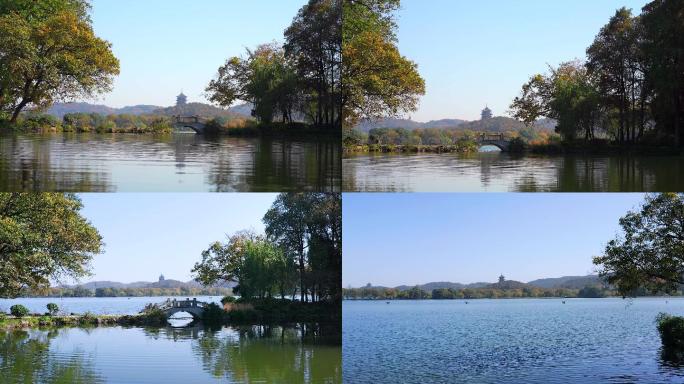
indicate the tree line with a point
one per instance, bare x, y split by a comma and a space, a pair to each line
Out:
416, 293
630, 88
128, 292
298, 78
299, 256
95, 122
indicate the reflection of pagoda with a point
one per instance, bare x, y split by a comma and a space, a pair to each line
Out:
181, 99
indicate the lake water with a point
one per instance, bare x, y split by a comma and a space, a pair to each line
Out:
513, 341
94, 305
502, 172
252, 354
177, 162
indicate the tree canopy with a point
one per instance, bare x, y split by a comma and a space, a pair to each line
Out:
377, 80
631, 87
300, 78
650, 251
301, 252
43, 237
49, 52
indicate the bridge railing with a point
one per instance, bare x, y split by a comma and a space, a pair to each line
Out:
492, 137
189, 119
187, 303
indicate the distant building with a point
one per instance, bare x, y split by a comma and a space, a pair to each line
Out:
486, 113
501, 279
181, 99
161, 278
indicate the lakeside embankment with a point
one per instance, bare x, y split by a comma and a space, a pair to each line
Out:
262, 311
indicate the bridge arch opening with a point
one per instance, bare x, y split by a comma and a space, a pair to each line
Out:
489, 148
181, 319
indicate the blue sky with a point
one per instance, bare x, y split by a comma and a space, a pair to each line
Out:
473, 53
149, 234
415, 238
168, 45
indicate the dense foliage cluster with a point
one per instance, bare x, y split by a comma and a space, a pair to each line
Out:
300, 78
377, 81
631, 87
649, 253
300, 255
43, 237
49, 52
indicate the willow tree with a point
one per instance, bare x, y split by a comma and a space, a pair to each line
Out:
377, 80
43, 237
49, 52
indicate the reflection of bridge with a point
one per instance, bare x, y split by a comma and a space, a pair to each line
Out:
195, 123
496, 139
193, 307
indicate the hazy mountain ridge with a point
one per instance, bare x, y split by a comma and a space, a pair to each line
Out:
167, 283
494, 124
572, 282
201, 109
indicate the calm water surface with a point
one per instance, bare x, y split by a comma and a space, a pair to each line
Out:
95, 305
253, 354
516, 341
177, 162
501, 172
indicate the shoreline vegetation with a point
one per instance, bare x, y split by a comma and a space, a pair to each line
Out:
233, 312
403, 141
85, 123
416, 293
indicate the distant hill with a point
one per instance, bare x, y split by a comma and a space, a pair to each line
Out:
509, 284
197, 109
571, 282
168, 283
495, 124
190, 109
61, 109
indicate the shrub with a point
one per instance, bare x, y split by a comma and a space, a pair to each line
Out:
19, 310
213, 314
153, 315
228, 300
52, 308
518, 144
671, 329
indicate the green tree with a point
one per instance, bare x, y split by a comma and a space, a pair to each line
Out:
567, 94
43, 237
19, 310
52, 308
52, 54
377, 80
313, 42
615, 59
265, 78
663, 27
650, 251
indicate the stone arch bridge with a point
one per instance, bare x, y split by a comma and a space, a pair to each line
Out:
496, 139
193, 307
196, 123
